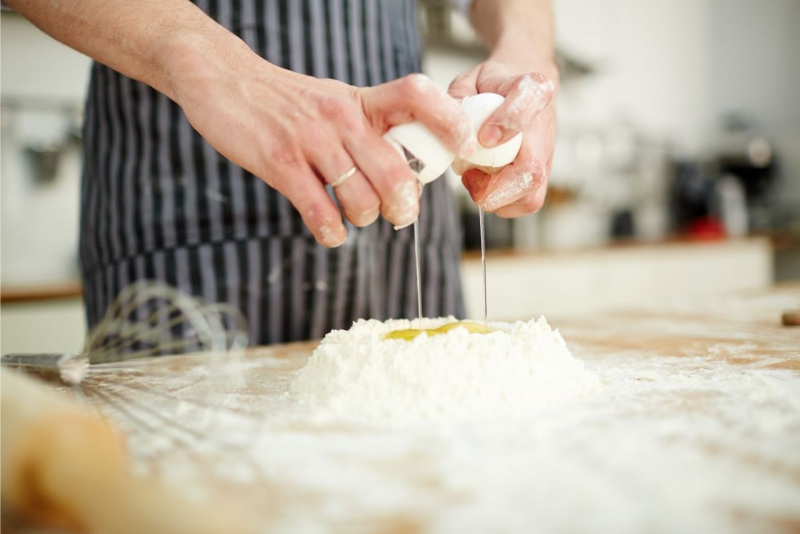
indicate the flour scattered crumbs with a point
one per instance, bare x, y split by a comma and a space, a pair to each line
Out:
510, 373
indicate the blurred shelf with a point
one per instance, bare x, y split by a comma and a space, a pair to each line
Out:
617, 245
573, 283
64, 290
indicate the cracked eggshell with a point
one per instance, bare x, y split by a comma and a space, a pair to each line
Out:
424, 145
478, 109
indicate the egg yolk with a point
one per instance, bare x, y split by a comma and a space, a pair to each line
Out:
410, 333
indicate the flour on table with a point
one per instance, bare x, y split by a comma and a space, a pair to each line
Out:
512, 372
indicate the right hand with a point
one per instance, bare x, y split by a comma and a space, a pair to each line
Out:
298, 133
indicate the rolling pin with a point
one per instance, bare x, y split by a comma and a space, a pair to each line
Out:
63, 466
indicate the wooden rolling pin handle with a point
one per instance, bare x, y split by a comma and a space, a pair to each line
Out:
63, 466
791, 318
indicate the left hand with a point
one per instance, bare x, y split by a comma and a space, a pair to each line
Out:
519, 188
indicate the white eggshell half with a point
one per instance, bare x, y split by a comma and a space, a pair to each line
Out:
424, 145
478, 109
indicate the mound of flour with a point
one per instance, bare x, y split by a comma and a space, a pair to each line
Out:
511, 372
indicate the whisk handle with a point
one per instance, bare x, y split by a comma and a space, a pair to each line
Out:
49, 367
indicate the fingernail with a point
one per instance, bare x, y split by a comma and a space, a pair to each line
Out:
490, 136
406, 207
332, 237
371, 217
404, 219
401, 226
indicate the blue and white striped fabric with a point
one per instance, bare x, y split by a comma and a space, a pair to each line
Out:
159, 203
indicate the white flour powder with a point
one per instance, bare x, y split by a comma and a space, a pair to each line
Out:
698, 433
511, 372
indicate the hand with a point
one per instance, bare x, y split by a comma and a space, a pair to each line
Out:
298, 133
295, 132
520, 187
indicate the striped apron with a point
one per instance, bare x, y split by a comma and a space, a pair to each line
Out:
159, 203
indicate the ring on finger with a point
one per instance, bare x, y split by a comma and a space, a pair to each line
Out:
344, 177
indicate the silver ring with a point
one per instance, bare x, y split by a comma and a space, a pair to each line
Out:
343, 178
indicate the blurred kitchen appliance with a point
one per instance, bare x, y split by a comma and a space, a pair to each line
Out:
727, 194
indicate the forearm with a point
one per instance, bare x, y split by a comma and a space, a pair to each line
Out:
517, 32
148, 40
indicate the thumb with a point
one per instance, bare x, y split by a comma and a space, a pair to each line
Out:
464, 85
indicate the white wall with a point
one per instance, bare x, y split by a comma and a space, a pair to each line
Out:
42, 80
755, 65
756, 71
653, 66
36, 66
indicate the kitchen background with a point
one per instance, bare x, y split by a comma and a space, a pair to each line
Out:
677, 167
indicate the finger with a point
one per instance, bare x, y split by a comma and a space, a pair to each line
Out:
529, 203
495, 191
416, 97
359, 201
319, 213
510, 184
389, 175
476, 182
526, 96
464, 85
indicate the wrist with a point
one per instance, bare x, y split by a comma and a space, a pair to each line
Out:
193, 55
524, 53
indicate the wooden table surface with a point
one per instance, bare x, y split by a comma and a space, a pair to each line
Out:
698, 429
743, 330
738, 329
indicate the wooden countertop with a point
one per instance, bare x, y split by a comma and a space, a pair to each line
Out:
696, 430
741, 330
